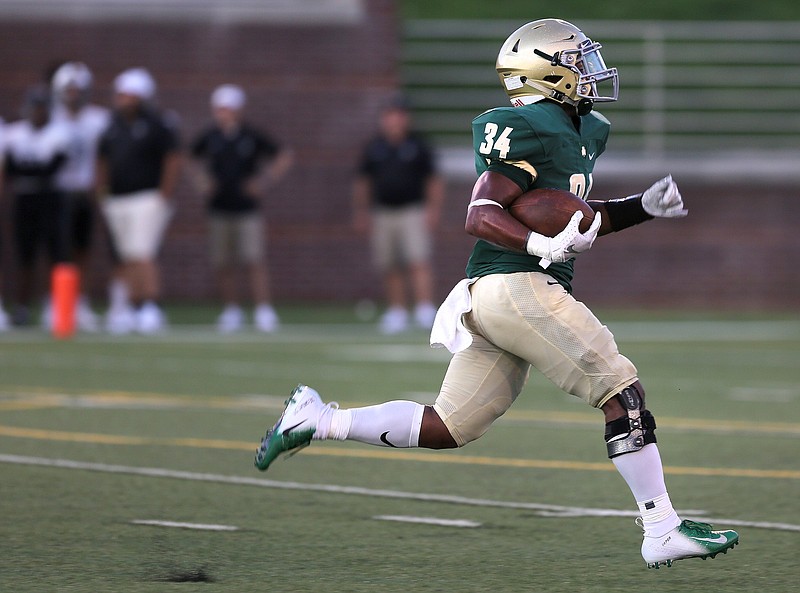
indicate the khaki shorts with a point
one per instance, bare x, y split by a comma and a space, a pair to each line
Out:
137, 223
518, 321
236, 238
400, 237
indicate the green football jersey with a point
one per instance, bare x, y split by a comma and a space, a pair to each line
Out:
536, 146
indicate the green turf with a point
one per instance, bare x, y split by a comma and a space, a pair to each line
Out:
726, 394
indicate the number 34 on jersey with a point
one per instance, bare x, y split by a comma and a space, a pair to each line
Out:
501, 143
579, 183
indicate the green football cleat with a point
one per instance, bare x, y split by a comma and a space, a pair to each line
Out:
294, 429
689, 540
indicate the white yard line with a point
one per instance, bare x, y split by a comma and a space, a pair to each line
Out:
545, 510
428, 520
179, 525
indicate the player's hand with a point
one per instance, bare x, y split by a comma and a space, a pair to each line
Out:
568, 243
663, 199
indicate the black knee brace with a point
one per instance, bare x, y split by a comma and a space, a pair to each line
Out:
633, 431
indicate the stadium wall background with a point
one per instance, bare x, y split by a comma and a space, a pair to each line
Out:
319, 89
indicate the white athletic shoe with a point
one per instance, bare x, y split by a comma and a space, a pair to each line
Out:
149, 319
47, 316
86, 318
295, 428
687, 540
394, 321
120, 320
265, 319
230, 320
424, 314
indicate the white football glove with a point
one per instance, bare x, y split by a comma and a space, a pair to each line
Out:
566, 244
663, 199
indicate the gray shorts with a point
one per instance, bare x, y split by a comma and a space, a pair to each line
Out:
236, 238
400, 237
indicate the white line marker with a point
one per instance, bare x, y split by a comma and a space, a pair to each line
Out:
200, 526
428, 520
544, 510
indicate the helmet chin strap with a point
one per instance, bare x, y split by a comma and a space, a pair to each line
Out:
583, 106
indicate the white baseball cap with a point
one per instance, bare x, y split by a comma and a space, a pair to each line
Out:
137, 82
228, 96
72, 74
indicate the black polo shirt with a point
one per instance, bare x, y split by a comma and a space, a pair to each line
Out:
135, 151
232, 160
398, 172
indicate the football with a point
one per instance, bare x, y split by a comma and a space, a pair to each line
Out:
547, 211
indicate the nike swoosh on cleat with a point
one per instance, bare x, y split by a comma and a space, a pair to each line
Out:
385, 441
291, 428
720, 539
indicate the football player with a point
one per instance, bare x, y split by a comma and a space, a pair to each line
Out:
515, 310
84, 122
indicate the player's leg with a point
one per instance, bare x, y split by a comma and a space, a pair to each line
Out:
26, 231
480, 384
563, 339
119, 317
386, 237
79, 234
631, 443
417, 249
5, 321
148, 219
251, 251
221, 243
56, 239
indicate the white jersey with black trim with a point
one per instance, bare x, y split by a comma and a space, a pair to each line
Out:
83, 130
27, 144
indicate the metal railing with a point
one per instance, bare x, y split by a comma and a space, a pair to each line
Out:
684, 86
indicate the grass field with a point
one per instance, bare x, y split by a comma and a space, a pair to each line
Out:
100, 435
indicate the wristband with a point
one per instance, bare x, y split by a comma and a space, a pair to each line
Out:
625, 212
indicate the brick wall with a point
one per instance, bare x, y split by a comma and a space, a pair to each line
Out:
318, 89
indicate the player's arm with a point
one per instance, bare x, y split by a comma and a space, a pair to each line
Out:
661, 200
487, 217
173, 162
172, 159
270, 173
101, 177
279, 166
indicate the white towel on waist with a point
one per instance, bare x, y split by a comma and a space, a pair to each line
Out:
448, 329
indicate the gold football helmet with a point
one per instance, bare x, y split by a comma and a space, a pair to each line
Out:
553, 59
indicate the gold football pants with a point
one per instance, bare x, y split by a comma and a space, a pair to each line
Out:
518, 321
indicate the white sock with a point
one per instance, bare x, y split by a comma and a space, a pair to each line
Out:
644, 474
118, 294
392, 424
